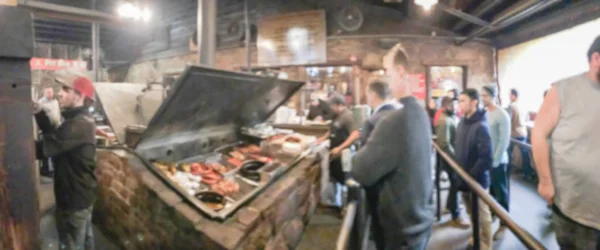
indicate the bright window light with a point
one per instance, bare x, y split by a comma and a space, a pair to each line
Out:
146, 15
426, 4
131, 11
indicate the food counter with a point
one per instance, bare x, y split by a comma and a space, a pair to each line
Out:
317, 130
195, 180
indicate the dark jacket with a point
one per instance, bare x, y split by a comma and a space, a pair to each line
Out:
369, 125
72, 147
431, 113
473, 149
397, 158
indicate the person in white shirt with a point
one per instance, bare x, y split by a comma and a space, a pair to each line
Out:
499, 125
48, 96
50, 103
519, 132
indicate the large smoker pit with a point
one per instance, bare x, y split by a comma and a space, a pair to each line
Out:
201, 120
203, 117
142, 212
194, 141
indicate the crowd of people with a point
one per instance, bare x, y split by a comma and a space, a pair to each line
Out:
393, 161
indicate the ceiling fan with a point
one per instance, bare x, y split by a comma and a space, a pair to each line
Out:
350, 18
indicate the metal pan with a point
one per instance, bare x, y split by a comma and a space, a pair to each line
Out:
212, 200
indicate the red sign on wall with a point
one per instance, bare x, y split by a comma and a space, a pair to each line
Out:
57, 64
417, 82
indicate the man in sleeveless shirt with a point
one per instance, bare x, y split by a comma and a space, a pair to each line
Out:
565, 141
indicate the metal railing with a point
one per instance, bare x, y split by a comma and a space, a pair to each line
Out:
356, 225
480, 193
522, 146
520, 143
355, 230
347, 225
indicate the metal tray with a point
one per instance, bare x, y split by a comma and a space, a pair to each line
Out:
234, 201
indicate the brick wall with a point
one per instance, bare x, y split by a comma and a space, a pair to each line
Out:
138, 209
477, 57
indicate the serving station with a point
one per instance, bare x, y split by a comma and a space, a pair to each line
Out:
206, 174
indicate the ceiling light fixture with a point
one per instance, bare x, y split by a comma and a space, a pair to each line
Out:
426, 4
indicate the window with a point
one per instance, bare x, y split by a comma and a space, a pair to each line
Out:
532, 67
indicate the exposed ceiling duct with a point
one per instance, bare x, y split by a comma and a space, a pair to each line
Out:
522, 10
479, 11
62, 12
462, 15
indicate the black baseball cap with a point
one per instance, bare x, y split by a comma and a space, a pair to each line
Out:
337, 99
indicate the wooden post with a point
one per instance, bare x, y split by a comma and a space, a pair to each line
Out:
19, 212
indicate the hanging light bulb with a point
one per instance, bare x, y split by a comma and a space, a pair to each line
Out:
426, 4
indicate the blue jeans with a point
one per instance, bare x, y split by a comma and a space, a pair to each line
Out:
453, 199
528, 171
75, 229
499, 186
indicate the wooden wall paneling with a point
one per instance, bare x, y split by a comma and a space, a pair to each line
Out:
19, 208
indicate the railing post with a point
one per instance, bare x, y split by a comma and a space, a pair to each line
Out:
479, 193
354, 194
475, 220
438, 188
361, 225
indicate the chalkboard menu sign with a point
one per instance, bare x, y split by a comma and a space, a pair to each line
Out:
292, 39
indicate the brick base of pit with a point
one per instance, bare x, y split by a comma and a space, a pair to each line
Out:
135, 207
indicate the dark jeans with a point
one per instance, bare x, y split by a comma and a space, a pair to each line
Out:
45, 162
528, 171
377, 232
499, 186
336, 171
572, 235
453, 199
75, 229
46, 166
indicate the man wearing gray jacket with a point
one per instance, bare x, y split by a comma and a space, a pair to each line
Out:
499, 125
397, 158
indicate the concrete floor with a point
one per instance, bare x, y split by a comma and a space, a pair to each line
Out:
527, 209
48, 234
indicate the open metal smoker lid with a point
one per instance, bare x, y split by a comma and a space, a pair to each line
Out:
205, 99
126, 104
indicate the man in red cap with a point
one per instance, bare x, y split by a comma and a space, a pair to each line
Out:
70, 141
